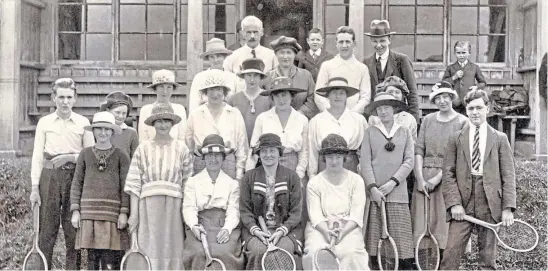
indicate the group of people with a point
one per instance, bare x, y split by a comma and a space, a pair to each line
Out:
311, 143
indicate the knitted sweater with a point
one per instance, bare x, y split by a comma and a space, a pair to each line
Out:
99, 195
127, 141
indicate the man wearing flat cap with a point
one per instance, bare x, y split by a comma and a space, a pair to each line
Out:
252, 29
215, 53
345, 65
286, 49
385, 62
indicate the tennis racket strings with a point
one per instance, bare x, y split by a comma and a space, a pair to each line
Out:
278, 260
428, 254
215, 265
135, 261
387, 256
519, 236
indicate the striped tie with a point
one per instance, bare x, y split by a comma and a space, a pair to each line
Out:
476, 151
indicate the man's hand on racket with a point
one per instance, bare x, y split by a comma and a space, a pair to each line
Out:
507, 217
197, 230
376, 195
222, 236
275, 237
75, 219
457, 212
387, 187
122, 221
133, 221
263, 236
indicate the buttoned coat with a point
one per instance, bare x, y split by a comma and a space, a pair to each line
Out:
472, 73
499, 180
397, 65
307, 62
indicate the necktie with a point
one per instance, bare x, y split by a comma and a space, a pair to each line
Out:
253, 53
476, 159
378, 67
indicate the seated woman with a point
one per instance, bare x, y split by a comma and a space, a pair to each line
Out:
273, 192
211, 206
336, 195
387, 157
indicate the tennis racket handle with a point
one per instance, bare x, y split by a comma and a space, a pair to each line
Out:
203, 238
262, 223
477, 221
134, 238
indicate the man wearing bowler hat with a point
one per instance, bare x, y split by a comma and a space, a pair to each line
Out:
385, 62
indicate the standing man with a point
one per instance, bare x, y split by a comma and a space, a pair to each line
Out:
252, 28
478, 180
385, 62
345, 65
313, 59
60, 137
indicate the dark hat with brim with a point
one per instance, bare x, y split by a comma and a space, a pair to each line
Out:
333, 143
160, 112
252, 65
214, 144
442, 87
268, 140
117, 97
380, 28
337, 83
284, 42
215, 46
385, 98
280, 84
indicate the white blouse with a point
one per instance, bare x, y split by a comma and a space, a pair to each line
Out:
202, 194
350, 125
230, 127
294, 137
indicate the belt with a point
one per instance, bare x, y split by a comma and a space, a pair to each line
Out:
48, 164
433, 162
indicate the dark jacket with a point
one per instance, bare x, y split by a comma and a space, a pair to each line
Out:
305, 61
401, 66
288, 206
499, 179
472, 73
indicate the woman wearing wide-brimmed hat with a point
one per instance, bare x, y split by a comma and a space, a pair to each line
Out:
387, 158
429, 152
215, 54
120, 105
337, 119
99, 206
286, 49
273, 192
217, 117
286, 122
163, 85
159, 168
212, 207
336, 195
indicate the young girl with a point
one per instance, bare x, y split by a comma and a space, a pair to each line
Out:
99, 205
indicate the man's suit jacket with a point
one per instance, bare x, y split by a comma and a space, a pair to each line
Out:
306, 61
397, 65
499, 180
472, 73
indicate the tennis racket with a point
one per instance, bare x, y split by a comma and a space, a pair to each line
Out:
520, 237
276, 258
35, 259
135, 258
211, 263
427, 252
387, 251
325, 258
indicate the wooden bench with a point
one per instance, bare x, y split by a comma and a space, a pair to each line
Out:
513, 121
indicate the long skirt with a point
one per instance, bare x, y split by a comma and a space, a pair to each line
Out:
255, 249
350, 250
228, 167
230, 253
398, 219
436, 211
161, 231
94, 234
351, 162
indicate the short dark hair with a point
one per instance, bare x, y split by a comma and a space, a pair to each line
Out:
314, 30
63, 83
322, 156
476, 94
462, 44
346, 29
224, 155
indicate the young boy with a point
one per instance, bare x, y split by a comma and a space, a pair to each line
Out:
312, 59
478, 180
463, 74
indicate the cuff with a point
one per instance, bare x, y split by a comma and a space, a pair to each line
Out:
75, 207
300, 172
35, 183
239, 173
124, 210
229, 230
368, 188
283, 229
253, 229
395, 180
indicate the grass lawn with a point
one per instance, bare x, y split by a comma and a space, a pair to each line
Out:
16, 218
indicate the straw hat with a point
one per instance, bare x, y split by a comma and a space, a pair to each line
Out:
380, 28
385, 98
269, 140
442, 87
163, 77
117, 97
162, 111
215, 46
252, 65
337, 83
333, 143
280, 84
104, 119
214, 144
214, 78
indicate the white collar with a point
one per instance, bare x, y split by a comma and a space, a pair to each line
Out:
482, 126
392, 132
383, 56
249, 48
317, 53
124, 126
463, 64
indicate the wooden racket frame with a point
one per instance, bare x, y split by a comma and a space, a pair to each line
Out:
272, 247
329, 249
427, 232
386, 235
135, 248
209, 259
35, 247
495, 227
